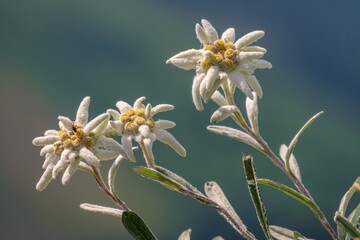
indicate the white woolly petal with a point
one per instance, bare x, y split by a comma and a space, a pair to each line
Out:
115, 114
112, 172
138, 102
235, 134
185, 235
254, 49
45, 140
50, 159
254, 84
126, 142
83, 111
50, 132
202, 89
70, 170
65, 153
246, 56
147, 112
195, 91
211, 33
229, 34
100, 209
260, 63
59, 167
211, 75
117, 126
89, 157
95, 122
187, 59
239, 81
164, 124
47, 149
211, 91
248, 67
66, 122
161, 108
45, 179
201, 34
248, 39
294, 167
219, 99
107, 148
165, 137
150, 156
252, 113
144, 130
222, 113
123, 106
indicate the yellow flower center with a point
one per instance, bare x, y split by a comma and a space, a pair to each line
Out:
223, 54
134, 118
73, 139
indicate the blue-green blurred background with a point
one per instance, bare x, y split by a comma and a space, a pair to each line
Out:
53, 53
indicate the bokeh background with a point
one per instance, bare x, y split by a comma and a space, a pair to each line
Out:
53, 53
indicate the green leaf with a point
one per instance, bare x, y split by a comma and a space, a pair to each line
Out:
348, 227
297, 136
177, 178
281, 233
154, 175
250, 173
235, 134
136, 226
344, 203
294, 194
354, 216
347, 196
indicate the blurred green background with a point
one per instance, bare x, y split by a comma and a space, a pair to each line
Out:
53, 53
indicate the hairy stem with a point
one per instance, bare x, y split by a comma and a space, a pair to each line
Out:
104, 188
277, 161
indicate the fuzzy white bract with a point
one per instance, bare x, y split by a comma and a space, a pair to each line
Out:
136, 123
222, 60
78, 144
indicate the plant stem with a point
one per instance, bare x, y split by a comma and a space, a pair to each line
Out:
276, 161
104, 188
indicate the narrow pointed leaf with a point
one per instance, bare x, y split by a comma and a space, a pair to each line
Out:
177, 178
291, 163
136, 226
348, 195
281, 233
354, 216
294, 194
344, 203
295, 139
253, 187
155, 175
216, 194
235, 134
185, 235
346, 225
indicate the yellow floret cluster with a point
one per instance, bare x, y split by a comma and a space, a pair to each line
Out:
223, 54
134, 118
73, 139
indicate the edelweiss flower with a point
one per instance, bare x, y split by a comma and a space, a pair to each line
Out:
136, 123
222, 59
76, 141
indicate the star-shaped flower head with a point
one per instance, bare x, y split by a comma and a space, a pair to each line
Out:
78, 144
136, 123
222, 59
